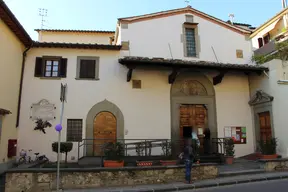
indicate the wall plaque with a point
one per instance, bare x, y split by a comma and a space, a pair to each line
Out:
43, 110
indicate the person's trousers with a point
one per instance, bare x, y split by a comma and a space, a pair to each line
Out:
188, 167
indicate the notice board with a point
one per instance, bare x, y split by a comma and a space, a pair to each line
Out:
238, 133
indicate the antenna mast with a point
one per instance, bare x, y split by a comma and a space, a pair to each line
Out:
187, 2
42, 14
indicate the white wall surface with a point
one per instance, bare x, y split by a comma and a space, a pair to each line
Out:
69, 37
146, 111
150, 38
280, 102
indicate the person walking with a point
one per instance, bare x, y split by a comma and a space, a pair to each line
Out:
188, 156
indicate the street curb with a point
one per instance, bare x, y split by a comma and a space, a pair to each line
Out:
246, 172
205, 185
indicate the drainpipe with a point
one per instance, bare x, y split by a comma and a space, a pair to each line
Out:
21, 82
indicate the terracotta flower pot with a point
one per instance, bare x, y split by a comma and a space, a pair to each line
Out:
168, 162
110, 163
269, 156
229, 160
144, 163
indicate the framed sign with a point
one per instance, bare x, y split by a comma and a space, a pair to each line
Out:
237, 133
43, 110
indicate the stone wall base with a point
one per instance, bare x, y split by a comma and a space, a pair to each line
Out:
35, 181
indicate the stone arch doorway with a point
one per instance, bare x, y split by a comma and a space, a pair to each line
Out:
104, 120
104, 130
192, 105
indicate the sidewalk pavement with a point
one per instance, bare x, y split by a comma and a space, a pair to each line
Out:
221, 181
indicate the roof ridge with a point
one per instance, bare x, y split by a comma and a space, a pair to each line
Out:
76, 30
188, 8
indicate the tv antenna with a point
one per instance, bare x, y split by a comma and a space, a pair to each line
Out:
187, 2
42, 14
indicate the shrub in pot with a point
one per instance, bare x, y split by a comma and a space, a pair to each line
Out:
114, 153
141, 150
229, 150
65, 147
268, 148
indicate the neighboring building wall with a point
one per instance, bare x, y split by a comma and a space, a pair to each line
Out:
151, 38
146, 111
279, 91
273, 33
75, 37
10, 68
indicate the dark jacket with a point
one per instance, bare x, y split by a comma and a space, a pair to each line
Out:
188, 152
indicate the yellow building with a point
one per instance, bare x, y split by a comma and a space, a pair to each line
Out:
14, 43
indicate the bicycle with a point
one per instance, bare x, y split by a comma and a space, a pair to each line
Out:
40, 158
24, 158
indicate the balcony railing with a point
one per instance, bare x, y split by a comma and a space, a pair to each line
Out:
266, 49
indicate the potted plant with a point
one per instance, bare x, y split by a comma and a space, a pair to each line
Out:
229, 150
114, 153
268, 148
140, 148
65, 147
166, 148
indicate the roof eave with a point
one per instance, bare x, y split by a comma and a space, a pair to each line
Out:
270, 21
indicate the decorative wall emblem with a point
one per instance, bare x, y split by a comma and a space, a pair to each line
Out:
260, 97
192, 87
43, 110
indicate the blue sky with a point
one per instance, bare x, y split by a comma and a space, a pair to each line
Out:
103, 14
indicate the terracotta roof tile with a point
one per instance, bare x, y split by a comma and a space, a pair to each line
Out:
75, 45
190, 63
11, 21
75, 31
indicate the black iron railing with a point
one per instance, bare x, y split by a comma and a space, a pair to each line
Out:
143, 147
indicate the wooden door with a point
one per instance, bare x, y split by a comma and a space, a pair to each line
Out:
265, 126
196, 117
105, 126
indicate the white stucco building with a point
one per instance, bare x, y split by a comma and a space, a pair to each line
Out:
156, 76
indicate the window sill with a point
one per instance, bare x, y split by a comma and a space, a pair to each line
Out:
51, 78
89, 79
192, 57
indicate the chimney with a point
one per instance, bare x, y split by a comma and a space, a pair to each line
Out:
284, 4
231, 16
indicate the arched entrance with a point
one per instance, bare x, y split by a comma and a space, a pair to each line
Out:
192, 105
104, 120
105, 130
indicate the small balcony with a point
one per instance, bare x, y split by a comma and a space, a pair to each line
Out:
272, 45
266, 49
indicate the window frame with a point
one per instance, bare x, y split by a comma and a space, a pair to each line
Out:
81, 132
197, 39
96, 59
52, 67
50, 58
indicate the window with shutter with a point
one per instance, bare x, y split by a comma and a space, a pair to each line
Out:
87, 68
260, 42
50, 67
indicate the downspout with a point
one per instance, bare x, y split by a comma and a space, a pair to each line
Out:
21, 83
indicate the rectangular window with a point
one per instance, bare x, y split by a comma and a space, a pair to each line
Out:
87, 68
50, 67
190, 42
266, 39
260, 42
74, 130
